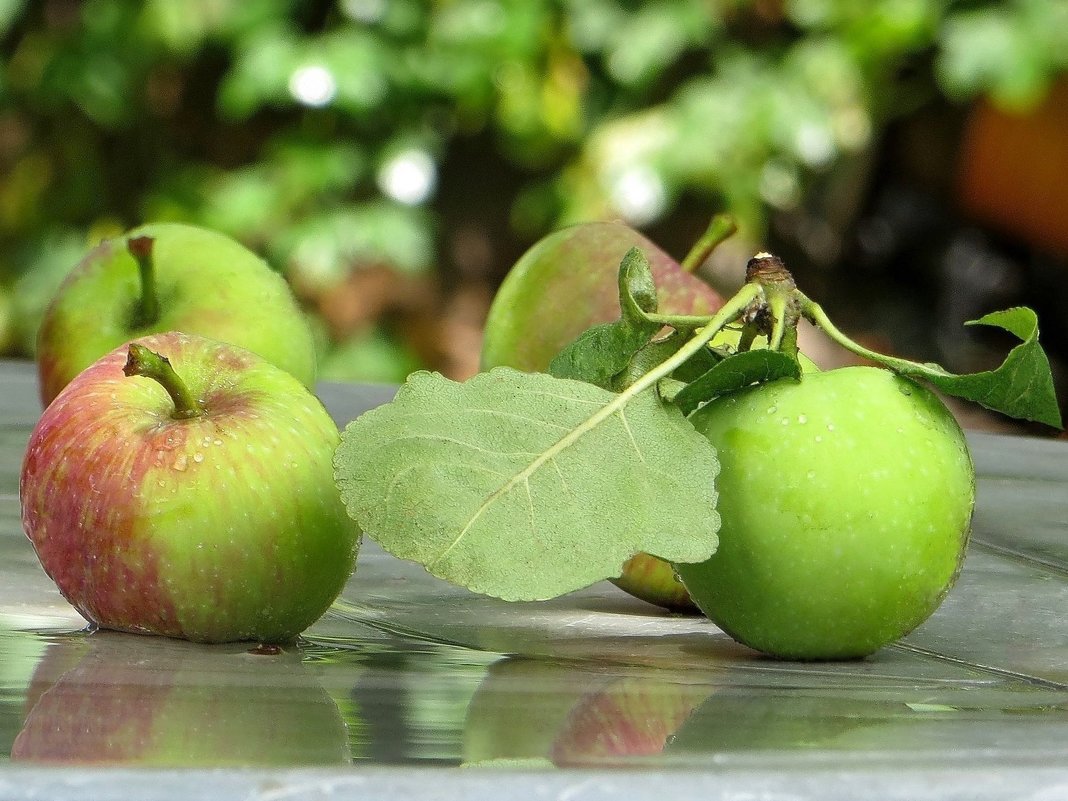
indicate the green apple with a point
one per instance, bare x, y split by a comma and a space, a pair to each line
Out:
565, 283
846, 501
170, 277
191, 498
117, 699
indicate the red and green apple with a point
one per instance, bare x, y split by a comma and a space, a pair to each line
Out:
184, 487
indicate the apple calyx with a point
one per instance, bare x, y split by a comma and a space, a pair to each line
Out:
140, 248
146, 363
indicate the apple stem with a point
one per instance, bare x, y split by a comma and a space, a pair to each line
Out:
140, 248
148, 364
815, 314
721, 227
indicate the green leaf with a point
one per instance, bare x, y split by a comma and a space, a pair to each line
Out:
603, 351
734, 373
637, 290
524, 486
1022, 387
600, 353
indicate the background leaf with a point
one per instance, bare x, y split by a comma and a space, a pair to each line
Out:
507, 484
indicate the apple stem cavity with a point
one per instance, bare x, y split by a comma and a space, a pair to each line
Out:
721, 227
140, 248
148, 364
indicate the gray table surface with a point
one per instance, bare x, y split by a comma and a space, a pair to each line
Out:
972, 705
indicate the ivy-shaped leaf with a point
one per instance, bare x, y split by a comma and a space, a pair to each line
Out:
734, 373
524, 486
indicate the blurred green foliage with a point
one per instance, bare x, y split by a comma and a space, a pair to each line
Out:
321, 133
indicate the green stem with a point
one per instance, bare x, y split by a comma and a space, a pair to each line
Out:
140, 248
727, 313
748, 336
679, 320
146, 363
777, 305
813, 312
721, 227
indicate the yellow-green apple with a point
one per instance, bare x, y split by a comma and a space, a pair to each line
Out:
563, 284
117, 699
845, 499
170, 277
191, 498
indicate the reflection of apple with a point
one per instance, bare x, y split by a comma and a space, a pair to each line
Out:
567, 714
631, 716
114, 698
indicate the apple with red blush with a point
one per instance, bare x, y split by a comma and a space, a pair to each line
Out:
184, 487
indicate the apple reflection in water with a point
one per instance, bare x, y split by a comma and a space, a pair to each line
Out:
109, 698
541, 713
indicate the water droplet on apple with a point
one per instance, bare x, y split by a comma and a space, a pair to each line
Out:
198, 457
773, 409
802, 419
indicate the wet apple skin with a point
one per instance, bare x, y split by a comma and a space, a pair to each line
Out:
846, 500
